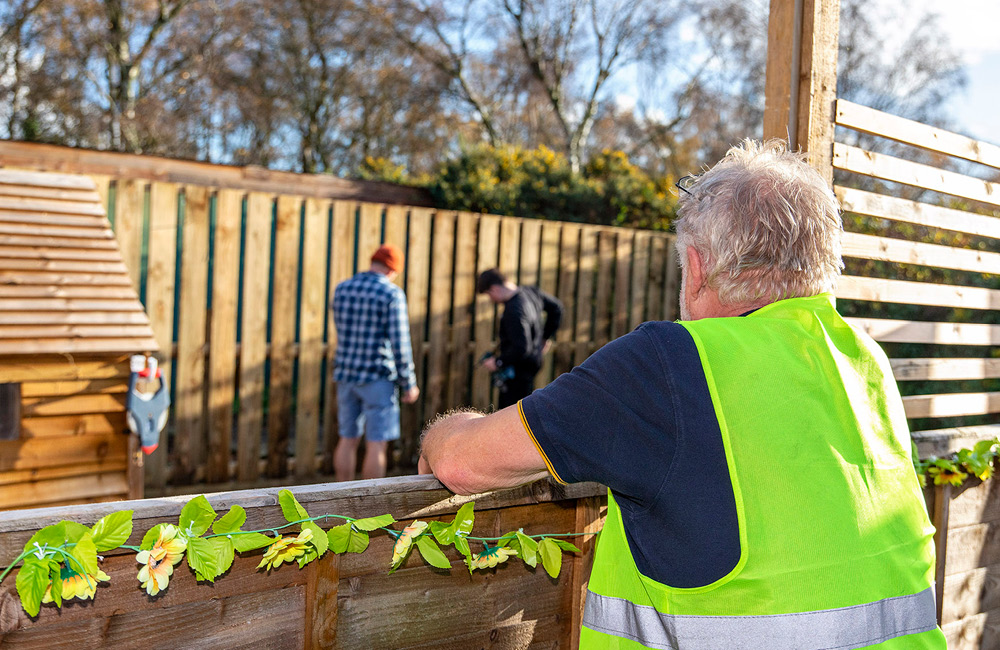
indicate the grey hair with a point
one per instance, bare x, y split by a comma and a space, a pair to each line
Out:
765, 224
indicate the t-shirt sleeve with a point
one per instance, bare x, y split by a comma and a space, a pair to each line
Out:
611, 419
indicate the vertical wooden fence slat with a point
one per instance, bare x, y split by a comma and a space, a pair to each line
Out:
312, 317
672, 283
605, 285
341, 266
584, 307
253, 328
103, 184
569, 261
623, 276
440, 306
548, 277
284, 290
463, 297
531, 239
369, 233
190, 369
395, 233
128, 225
510, 246
654, 283
418, 268
222, 342
160, 287
640, 273
488, 257
588, 520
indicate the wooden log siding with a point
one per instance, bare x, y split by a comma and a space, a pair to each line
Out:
253, 351
345, 601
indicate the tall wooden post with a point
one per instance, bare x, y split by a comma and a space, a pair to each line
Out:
801, 86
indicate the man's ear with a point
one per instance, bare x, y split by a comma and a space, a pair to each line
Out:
694, 277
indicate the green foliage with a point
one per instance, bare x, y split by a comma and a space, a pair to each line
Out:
955, 469
31, 582
551, 556
112, 531
197, 516
202, 558
344, 539
431, 552
539, 183
374, 523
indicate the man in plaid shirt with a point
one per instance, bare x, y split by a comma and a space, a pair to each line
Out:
373, 357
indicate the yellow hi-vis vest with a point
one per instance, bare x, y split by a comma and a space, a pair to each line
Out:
836, 547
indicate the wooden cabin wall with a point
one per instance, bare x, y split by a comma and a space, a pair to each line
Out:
72, 446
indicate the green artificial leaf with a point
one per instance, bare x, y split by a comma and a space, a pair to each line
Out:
320, 540
464, 519
344, 539
150, 537
225, 552
528, 549
551, 556
55, 579
244, 542
231, 521
201, 556
290, 507
32, 579
443, 533
374, 523
564, 545
462, 545
112, 530
84, 551
432, 553
196, 516
946, 471
50, 536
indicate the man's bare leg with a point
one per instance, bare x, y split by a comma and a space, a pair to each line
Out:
375, 459
345, 458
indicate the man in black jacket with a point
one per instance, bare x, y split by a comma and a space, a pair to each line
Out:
524, 338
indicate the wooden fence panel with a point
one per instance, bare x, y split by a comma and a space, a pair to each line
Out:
623, 277
312, 318
284, 290
640, 278
418, 268
369, 233
463, 296
253, 344
341, 266
603, 305
221, 361
129, 213
189, 438
531, 242
569, 271
440, 306
655, 280
484, 329
583, 334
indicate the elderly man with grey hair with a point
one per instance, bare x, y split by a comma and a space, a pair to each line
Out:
756, 453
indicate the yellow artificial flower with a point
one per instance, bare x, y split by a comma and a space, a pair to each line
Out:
405, 540
491, 557
76, 585
286, 549
158, 562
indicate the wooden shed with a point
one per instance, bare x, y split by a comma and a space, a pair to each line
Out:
69, 320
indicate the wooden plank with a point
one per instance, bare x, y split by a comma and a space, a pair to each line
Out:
531, 246
915, 212
868, 120
89, 266
510, 246
623, 276
589, 519
322, 603
889, 168
369, 233
284, 288
916, 293
129, 213
108, 465
8, 229
42, 254
640, 273
312, 318
484, 322
53, 451
253, 329
65, 278
418, 269
52, 193
75, 331
944, 369
74, 425
57, 368
951, 404
548, 276
189, 436
75, 318
672, 282
972, 547
95, 222
584, 332
569, 266
395, 234
974, 632
603, 293
939, 519
440, 310
23, 347
907, 252
80, 298
160, 294
73, 387
780, 80
656, 281
53, 209
463, 285
33, 239
46, 179
901, 331
71, 404
74, 489
222, 333
341, 267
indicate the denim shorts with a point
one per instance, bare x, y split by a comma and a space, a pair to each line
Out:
371, 408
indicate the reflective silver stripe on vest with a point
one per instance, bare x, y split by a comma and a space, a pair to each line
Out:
843, 628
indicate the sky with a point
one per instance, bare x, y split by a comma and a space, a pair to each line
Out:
972, 28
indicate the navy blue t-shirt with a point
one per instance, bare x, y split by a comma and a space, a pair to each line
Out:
638, 417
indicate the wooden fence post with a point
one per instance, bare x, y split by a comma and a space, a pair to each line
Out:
942, 504
801, 85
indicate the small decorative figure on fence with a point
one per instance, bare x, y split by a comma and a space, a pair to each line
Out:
147, 402
524, 335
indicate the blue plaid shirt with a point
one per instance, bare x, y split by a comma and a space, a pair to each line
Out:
373, 331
